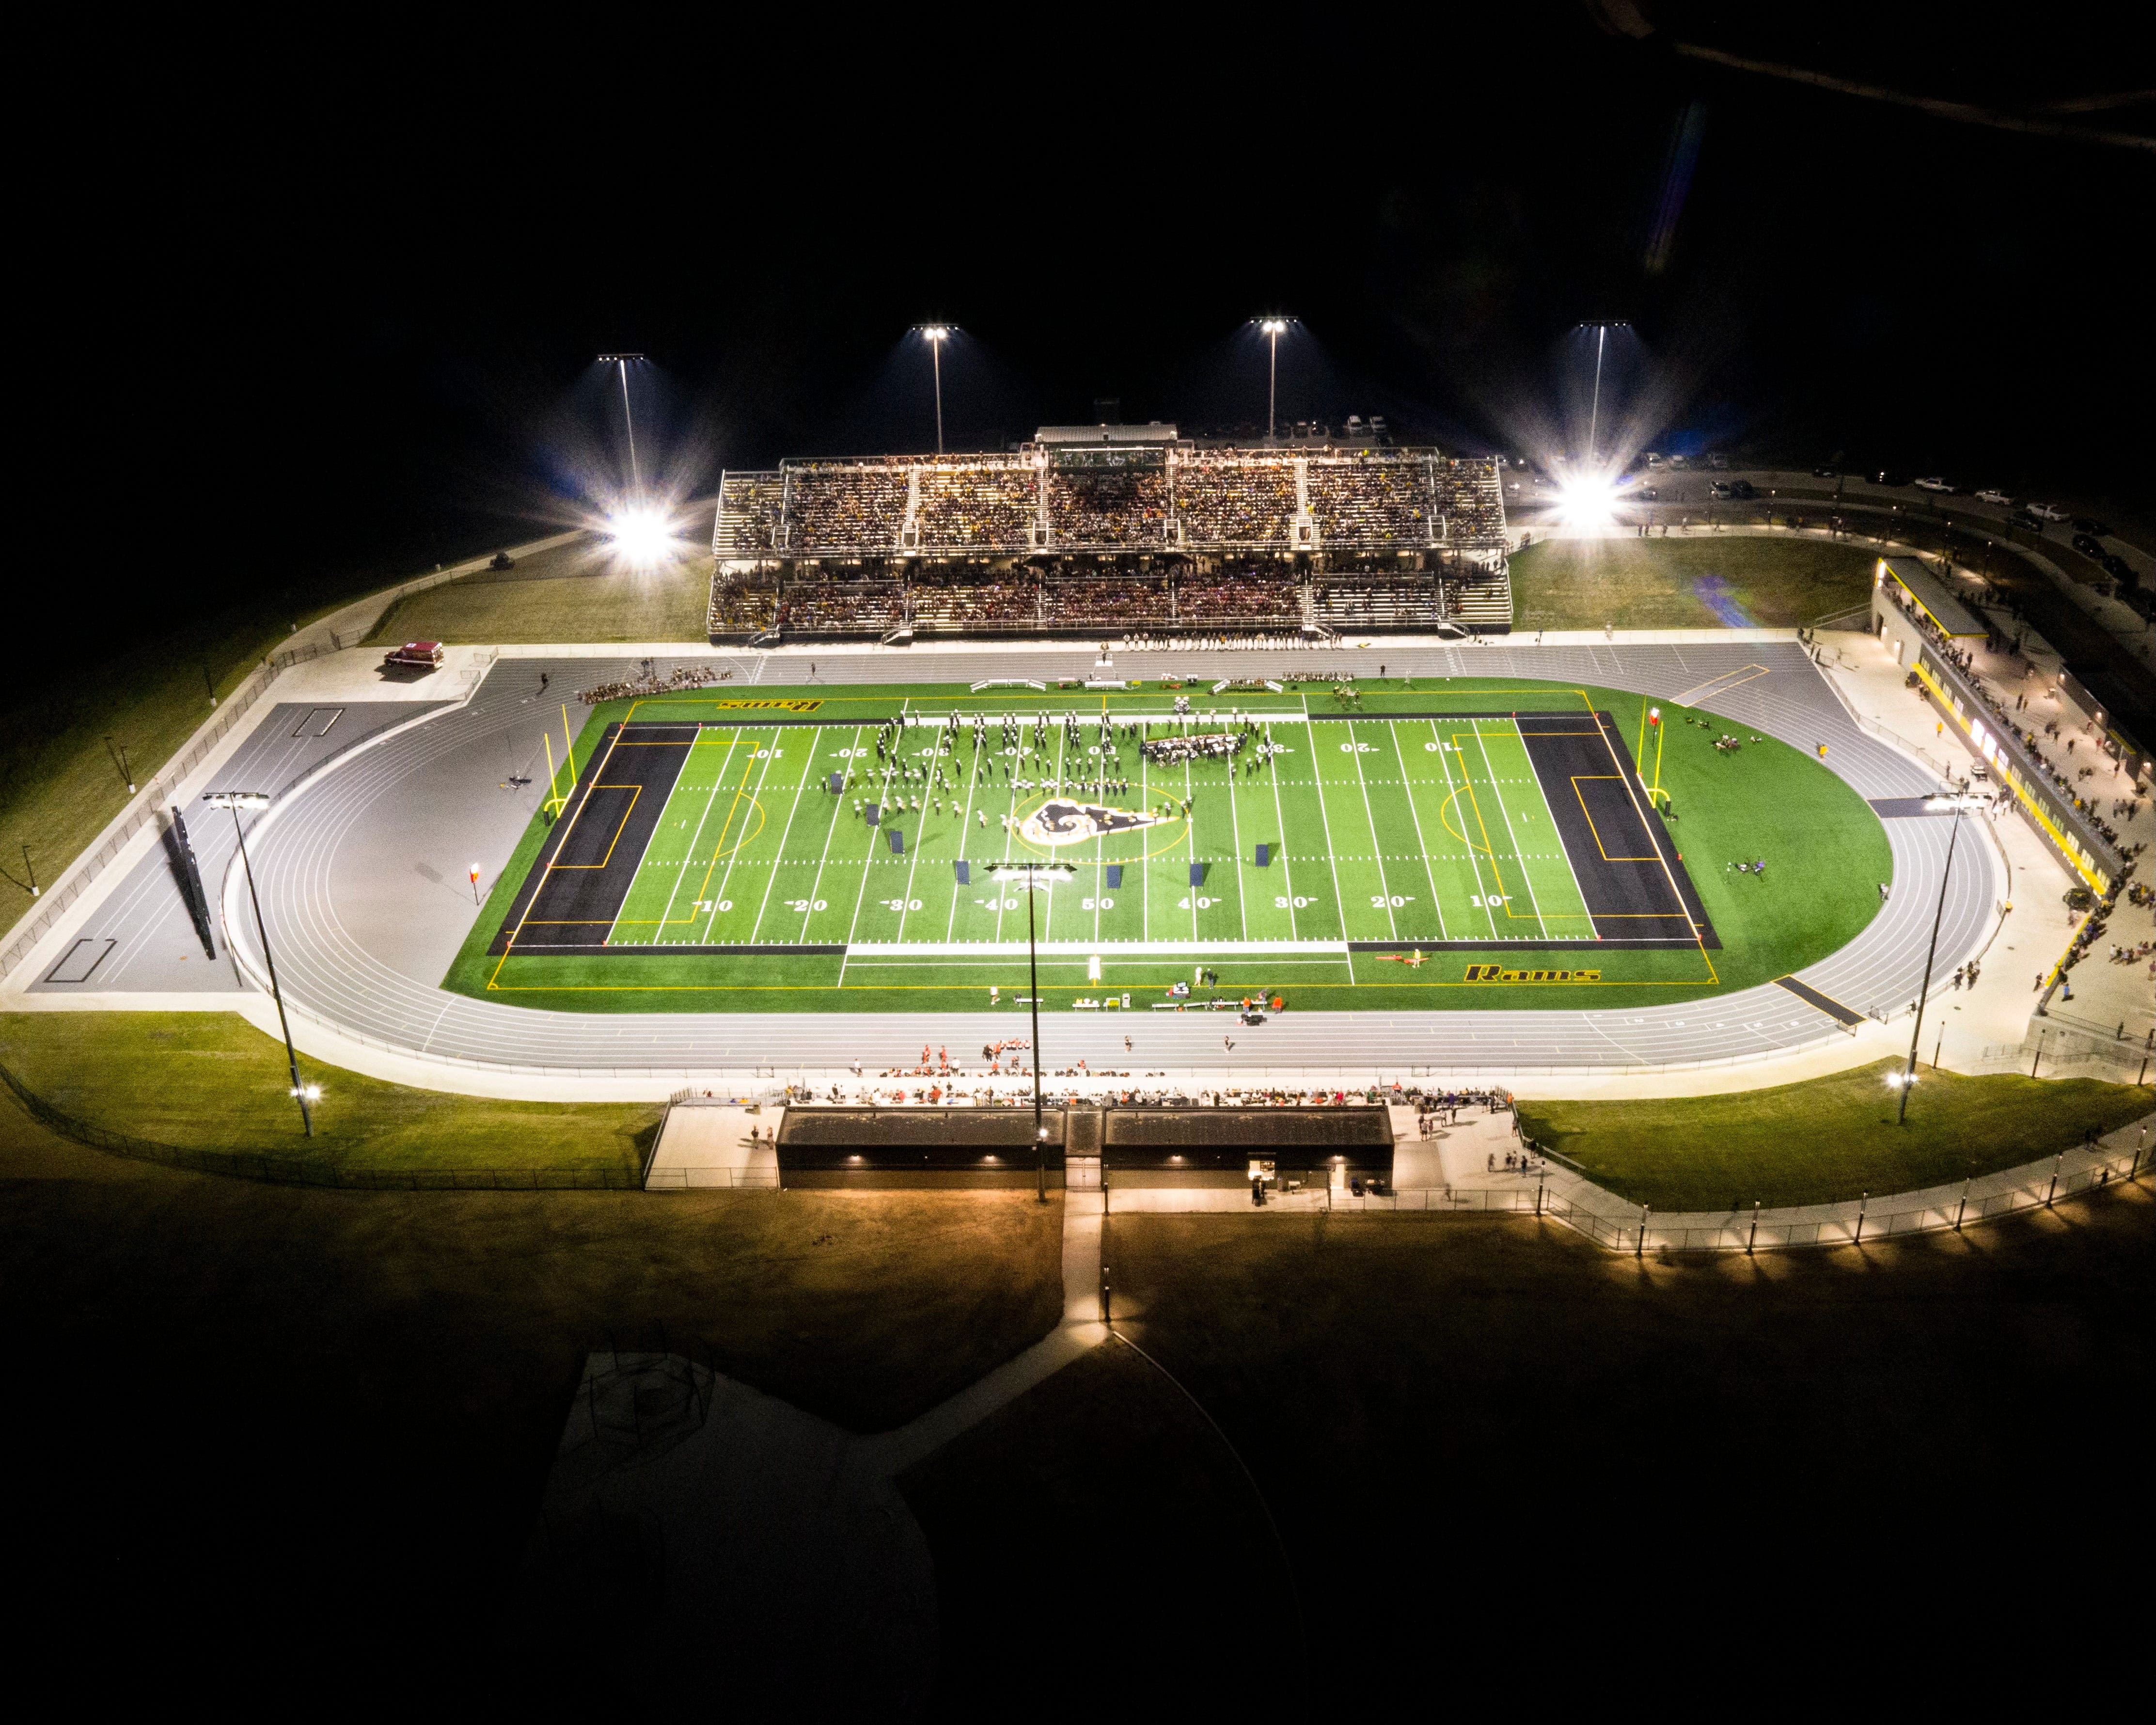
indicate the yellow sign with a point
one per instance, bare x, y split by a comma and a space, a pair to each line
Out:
795, 706
1498, 974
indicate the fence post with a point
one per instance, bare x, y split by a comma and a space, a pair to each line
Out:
1639, 1249
1963, 1204
1862, 1203
1754, 1239
2051, 1191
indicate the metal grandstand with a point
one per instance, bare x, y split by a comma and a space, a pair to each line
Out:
1400, 538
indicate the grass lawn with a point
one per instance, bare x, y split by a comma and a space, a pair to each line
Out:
1827, 1138
1104, 1485
1457, 1421
574, 592
357, 1395
211, 1081
1356, 824
1668, 583
60, 780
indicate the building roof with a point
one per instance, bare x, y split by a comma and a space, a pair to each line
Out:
1933, 597
1154, 433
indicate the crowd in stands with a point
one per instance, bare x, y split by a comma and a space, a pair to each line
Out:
840, 505
1014, 603
986, 507
1244, 500
1373, 499
843, 607
1378, 602
1470, 507
1109, 601
1234, 598
752, 508
1108, 505
742, 607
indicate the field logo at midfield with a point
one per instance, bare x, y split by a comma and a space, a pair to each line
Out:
1059, 821
799, 705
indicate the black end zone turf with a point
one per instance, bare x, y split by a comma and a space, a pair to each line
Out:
582, 873
1628, 867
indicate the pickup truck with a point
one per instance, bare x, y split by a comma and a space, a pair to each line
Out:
421, 656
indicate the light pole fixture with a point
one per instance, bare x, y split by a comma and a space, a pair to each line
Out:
1033, 876
1958, 804
235, 801
1272, 329
1594, 413
936, 335
622, 361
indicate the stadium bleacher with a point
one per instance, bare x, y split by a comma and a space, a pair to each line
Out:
1143, 532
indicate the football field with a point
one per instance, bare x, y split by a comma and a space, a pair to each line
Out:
1326, 835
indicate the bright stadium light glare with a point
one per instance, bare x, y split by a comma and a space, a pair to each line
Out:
641, 536
1586, 503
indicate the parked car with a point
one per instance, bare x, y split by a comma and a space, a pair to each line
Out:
1654, 458
2047, 511
2022, 518
1720, 492
1826, 473
1741, 488
1720, 464
2089, 524
1678, 463
1888, 476
1932, 483
2087, 546
1649, 494
1992, 494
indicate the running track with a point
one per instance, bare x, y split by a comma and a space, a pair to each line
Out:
343, 961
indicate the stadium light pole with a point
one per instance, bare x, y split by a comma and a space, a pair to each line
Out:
1923, 998
235, 801
621, 360
1272, 328
1594, 413
936, 335
1036, 876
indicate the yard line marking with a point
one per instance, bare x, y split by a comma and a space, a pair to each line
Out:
1376, 842
599, 773
1332, 856
1421, 842
1526, 878
1287, 865
964, 821
823, 856
712, 920
717, 784
778, 861
1235, 825
1454, 791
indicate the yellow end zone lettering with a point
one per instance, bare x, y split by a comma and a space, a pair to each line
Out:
799, 705
1498, 974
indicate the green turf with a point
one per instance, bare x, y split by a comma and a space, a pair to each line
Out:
210, 1081
1366, 814
1826, 1139
573, 592
1655, 583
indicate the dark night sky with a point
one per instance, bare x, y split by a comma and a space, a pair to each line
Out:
342, 297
